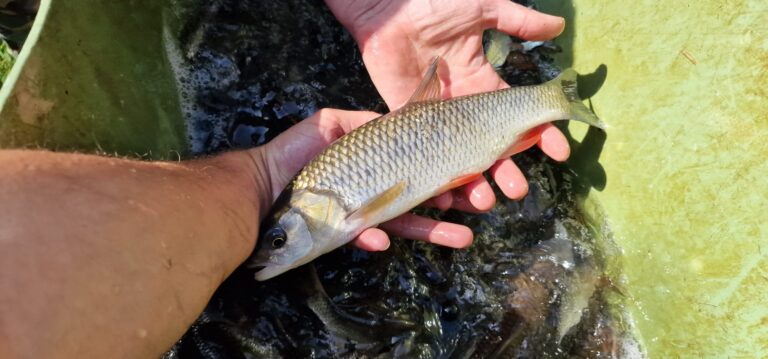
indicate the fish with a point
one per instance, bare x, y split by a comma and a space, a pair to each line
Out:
366, 334
497, 47
537, 287
401, 159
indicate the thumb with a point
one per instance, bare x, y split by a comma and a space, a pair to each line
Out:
522, 22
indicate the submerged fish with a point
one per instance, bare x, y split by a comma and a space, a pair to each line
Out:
497, 47
396, 162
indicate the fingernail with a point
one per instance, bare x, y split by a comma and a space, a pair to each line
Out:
476, 193
518, 190
386, 245
561, 21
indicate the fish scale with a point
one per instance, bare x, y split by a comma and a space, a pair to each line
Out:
393, 163
427, 144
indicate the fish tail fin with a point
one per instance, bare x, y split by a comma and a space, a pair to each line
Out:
567, 82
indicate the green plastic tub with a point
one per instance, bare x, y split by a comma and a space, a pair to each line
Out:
685, 163
681, 176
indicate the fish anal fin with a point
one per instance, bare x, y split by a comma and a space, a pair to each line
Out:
525, 142
460, 181
378, 204
429, 88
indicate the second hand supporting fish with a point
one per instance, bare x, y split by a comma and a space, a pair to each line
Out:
394, 163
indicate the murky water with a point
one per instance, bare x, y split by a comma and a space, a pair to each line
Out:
532, 285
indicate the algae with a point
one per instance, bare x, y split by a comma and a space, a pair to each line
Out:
685, 164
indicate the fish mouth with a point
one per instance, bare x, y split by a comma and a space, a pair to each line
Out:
269, 271
268, 267
265, 266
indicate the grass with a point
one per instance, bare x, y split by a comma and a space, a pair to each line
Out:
7, 59
16, 18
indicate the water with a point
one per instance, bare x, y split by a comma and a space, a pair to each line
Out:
534, 283
251, 69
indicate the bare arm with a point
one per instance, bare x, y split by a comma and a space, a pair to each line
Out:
112, 258
105, 257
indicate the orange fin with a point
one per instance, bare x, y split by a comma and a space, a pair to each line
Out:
458, 182
525, 142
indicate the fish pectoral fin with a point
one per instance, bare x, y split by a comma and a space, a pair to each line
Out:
429, 88
377, 204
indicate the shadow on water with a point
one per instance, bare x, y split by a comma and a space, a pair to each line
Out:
585, 153
532, 284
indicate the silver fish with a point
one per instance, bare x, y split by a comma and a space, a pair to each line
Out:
394, 163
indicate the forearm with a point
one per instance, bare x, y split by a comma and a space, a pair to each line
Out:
103, 257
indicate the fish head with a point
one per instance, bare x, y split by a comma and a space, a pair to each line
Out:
307, 226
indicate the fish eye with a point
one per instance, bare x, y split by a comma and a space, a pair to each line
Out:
277, 236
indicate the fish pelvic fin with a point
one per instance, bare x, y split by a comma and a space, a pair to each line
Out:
567, 82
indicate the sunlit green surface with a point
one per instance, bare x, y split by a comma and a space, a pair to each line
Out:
93, 76
685, 164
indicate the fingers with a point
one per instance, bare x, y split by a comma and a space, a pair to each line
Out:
373, 240
548, 138
332, 123
429, 230
553, 143
481, 79
509, 179
475, 197
480, 195
443, 201
508, 176
522, 22
415, 227
293, 149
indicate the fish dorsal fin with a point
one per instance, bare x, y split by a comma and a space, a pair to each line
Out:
429, 88
377, 204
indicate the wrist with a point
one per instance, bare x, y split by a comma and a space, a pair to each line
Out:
249, 170
238, 181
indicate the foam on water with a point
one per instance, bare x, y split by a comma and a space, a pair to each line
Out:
187, 88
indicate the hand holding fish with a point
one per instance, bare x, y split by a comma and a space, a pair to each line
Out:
284, 156
398, 39
375, 174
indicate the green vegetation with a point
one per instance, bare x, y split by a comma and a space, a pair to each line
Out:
16, 18
7, 58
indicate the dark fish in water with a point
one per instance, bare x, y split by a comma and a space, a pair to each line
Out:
550, 295
366, 334
396, 162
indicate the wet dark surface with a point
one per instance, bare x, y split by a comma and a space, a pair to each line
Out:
258, 67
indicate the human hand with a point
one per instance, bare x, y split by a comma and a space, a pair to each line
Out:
399, 38
281, 159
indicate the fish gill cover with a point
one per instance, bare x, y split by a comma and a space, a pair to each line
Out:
534, 283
